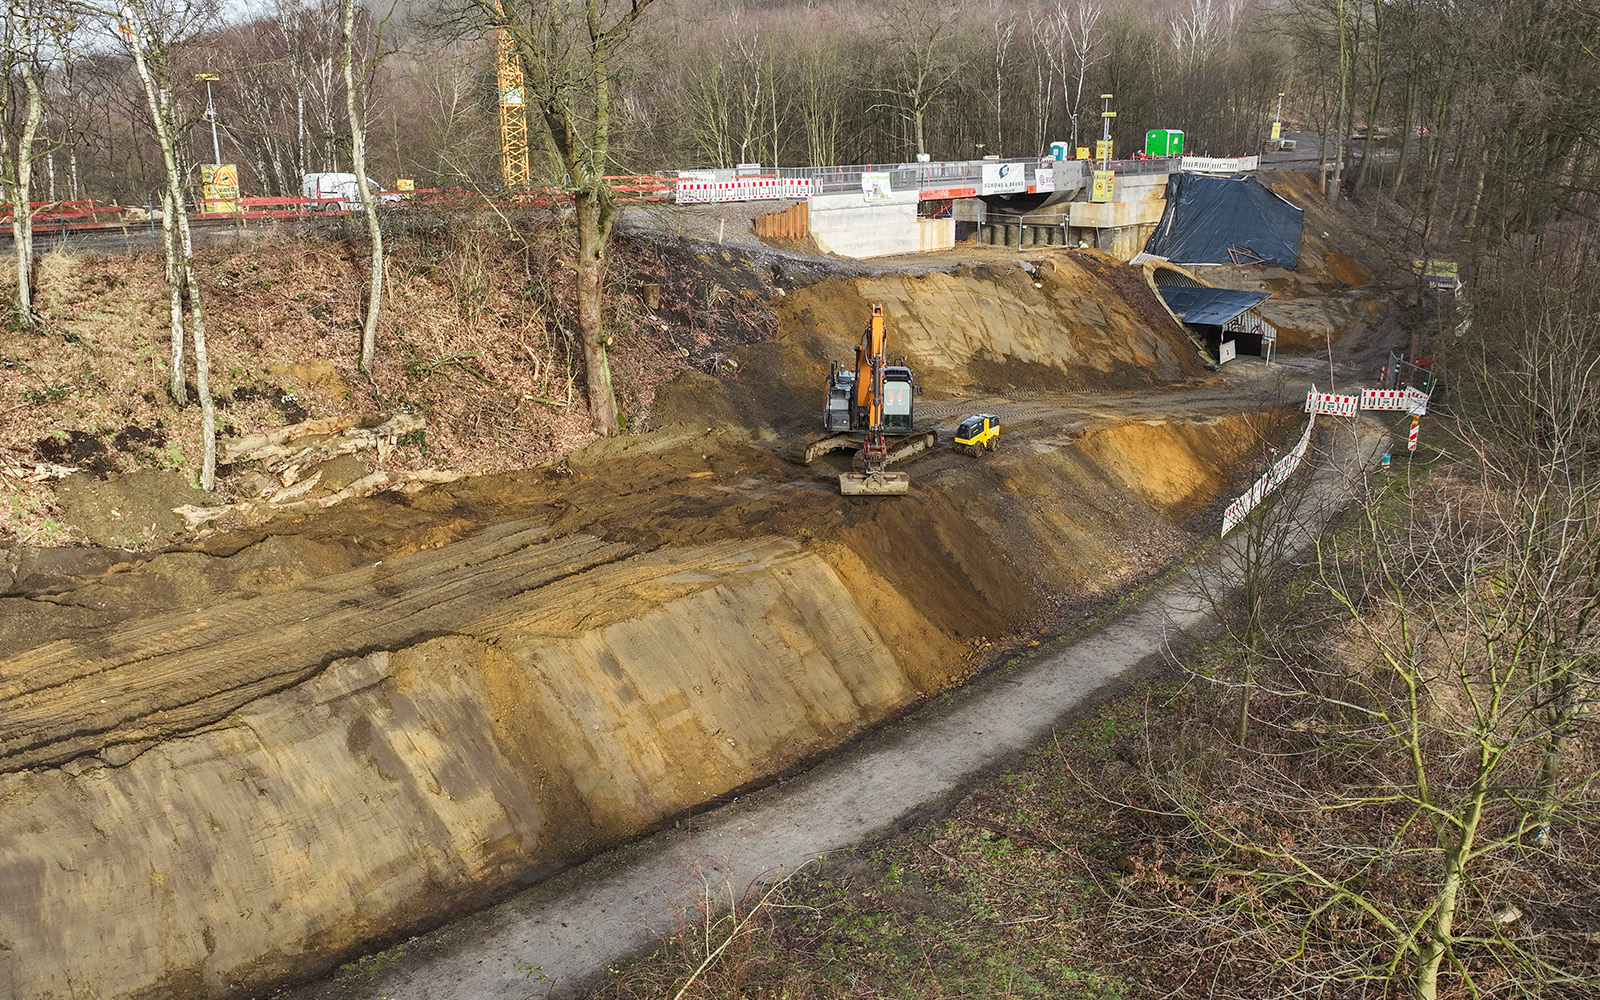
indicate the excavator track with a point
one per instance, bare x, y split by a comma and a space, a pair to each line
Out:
808, 450
911, 445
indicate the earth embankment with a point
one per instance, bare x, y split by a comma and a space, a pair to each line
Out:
226, 770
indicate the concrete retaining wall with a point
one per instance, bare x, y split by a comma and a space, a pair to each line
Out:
851, 226
937, 234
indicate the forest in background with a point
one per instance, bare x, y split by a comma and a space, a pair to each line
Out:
1482, 103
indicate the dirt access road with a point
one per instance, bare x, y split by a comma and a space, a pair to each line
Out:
555, 939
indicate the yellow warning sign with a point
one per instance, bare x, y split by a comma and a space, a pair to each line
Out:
1104, 186
1083, 152
1277, 130
1102, 149
219, 188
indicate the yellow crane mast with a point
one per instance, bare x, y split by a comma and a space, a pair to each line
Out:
513, 117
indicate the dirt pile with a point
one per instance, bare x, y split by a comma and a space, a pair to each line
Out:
1057, 322
358, 724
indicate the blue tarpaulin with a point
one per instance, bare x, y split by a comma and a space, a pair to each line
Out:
1226, 220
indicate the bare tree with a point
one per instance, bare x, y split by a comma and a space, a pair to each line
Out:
569, 52
1077, 26
1005, 28
919, 64
358, 155
28, 27
152, 34
819, 103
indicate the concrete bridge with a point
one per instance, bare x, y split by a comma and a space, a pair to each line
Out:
875, 210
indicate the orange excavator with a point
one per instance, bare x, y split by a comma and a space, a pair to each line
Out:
866, 406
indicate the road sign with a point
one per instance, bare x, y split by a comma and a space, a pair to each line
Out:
1104, 186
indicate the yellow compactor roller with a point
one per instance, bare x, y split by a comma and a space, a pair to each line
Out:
979, 432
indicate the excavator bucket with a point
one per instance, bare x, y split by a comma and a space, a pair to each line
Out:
874, 484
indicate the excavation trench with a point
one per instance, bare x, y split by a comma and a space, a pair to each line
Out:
234, 764
427, 705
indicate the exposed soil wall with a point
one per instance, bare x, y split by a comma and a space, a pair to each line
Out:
503, 677
1073, 322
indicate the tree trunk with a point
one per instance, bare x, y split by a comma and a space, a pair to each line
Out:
1408, 130
369, 207
1341, 122
202, 364
21, 191
169, 243
175, 225
591, 327
1376, 98
1441, 936
1562, 710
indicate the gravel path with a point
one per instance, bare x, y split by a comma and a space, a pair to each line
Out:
557, 937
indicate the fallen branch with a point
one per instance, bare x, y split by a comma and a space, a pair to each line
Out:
244, 449
274, 450
259, 510
39, 472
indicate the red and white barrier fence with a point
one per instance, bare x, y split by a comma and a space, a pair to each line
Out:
1332, 403
1282, 469
1383, 399
693, 191
1410, 399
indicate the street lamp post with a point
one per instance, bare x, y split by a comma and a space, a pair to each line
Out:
1106, 115
211, 115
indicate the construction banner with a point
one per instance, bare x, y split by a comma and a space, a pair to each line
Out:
1104, 186
219, 189
1004, 178
875, 186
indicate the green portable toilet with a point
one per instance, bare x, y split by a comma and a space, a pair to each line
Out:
1163, 142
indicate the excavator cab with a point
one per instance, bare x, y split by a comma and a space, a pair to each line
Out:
981, 430
899, 390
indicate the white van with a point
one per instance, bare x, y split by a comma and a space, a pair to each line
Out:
331, 190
